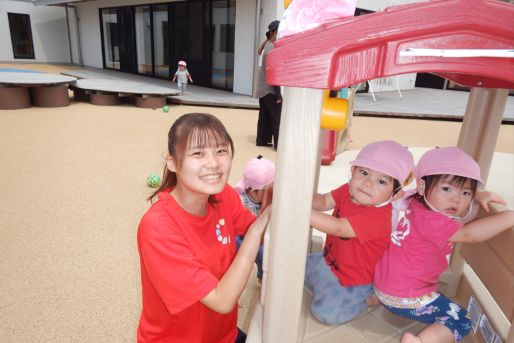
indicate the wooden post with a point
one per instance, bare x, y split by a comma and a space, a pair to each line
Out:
290, 220
481, 125
478, 136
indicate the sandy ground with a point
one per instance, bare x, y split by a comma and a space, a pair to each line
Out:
73, 191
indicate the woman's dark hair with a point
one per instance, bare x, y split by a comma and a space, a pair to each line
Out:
458, 181
192, 129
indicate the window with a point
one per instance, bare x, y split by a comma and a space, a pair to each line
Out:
21, 35
144, 40
161, 41
111, 38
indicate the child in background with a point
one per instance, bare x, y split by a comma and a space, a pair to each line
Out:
358, 231
191, 275
406, 277
258, 174
182, 75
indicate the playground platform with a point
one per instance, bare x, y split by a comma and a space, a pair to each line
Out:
420, 103
22, 89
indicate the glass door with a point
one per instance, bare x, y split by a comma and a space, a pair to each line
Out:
110, 41
127, 39
223, 35
161, 41
117, 29
189, 41
143, 30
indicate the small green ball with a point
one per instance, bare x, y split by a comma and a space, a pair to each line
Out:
165, 108
153, 180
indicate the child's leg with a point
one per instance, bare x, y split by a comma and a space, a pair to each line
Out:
333, 303
315, 263
450, 322
436, 333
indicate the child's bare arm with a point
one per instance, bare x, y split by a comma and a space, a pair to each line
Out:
482, 229
189, 77
323, 202
174, 78
331, 225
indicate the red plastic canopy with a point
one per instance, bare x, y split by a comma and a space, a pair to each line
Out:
354, 50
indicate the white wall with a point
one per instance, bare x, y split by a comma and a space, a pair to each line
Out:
245, 50
405, 81
379, 5
49, 35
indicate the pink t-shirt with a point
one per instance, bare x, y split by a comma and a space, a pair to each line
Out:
416, 256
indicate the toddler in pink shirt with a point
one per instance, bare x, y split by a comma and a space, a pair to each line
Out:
437, 216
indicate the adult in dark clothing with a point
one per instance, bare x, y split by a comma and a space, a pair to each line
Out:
270, 97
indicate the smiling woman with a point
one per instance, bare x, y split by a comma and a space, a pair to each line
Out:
191, 274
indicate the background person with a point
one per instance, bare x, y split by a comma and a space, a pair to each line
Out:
270, 97
258, 174
181, 76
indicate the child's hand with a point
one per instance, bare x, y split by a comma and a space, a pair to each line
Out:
484, 198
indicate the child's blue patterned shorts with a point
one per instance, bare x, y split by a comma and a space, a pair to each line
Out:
443, 311
333, 303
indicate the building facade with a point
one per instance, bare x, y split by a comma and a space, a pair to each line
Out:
217, 38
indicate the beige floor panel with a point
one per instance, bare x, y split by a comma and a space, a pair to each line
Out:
342, 334
387, 317
313, 327
371, 329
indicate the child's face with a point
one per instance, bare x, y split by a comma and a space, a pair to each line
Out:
204, 171
181, 67
369, 187
256, 195
449, 198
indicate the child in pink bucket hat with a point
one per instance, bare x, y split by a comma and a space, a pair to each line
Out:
258, 174
406, 277
181, 76
358, 231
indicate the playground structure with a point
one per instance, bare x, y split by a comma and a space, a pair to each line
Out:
111, 92
23, 89
478, 35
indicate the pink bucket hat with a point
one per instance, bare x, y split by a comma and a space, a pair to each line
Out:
258, 173
303, 15
388, 157
448, 160
182, 63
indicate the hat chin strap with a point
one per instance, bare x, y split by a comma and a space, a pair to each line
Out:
450, 215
